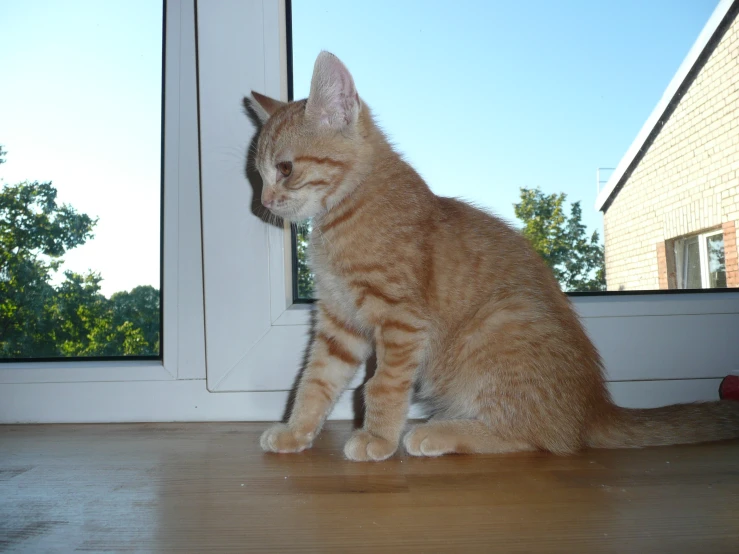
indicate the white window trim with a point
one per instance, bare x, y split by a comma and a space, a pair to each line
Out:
183, 334
246, 264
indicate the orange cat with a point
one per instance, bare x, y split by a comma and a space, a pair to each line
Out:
454, 301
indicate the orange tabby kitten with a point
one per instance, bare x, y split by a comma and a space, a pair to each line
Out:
454, 301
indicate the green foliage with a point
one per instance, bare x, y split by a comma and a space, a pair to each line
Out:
34, 233
305, 277
140, 309
578, 262
39, 320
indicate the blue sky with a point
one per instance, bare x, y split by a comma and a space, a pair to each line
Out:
80, 106
484, 97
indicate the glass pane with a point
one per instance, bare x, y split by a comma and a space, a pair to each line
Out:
80, 107
522, 108
716, 261
692, 264
303, 278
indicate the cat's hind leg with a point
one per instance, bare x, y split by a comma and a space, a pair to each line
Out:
461, 436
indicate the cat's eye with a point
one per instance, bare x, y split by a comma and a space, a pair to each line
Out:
285, 168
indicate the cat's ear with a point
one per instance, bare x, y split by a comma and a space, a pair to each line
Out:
263, 106
333, 99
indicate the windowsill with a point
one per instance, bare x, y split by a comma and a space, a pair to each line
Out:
83, 371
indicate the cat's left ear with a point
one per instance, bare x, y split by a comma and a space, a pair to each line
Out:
333, 99
263, 106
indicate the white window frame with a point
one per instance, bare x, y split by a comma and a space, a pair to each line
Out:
252, 326
682, 269
182, 337
236, 296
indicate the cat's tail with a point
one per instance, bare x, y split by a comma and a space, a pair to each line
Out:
676, 424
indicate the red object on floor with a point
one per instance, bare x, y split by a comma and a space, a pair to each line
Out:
729, 388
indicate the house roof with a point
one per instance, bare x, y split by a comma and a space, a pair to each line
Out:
709, 37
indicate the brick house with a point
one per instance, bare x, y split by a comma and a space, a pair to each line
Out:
671, 207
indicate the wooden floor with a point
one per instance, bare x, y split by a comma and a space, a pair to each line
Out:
209, 488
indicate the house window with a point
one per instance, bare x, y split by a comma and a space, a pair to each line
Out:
700, 261
80, 198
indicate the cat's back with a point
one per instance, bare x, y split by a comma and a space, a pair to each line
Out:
483, 252
477, 264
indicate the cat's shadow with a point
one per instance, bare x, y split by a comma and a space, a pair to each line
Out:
255, 180
357, 395
251, 172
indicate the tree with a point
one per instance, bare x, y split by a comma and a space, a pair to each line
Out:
76, 309
88, 324
578, 262
34, 234
304, 276
39, 320
140, 309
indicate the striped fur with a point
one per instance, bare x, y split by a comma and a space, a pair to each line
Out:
455, 303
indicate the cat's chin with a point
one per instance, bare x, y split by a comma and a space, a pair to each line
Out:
289, 215
292, 217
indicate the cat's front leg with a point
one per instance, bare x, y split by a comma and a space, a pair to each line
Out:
399, 342
336, 353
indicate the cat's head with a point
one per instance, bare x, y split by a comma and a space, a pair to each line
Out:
309, 151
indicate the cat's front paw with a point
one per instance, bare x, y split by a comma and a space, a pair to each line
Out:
366, 447
283, 439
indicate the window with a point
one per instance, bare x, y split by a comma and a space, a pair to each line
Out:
657, 349
80, 246
123, 388
700, 261
501, 104
257, 329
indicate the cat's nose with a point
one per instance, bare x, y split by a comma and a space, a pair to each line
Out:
268, 199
